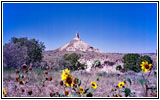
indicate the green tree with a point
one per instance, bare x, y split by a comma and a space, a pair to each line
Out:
35, 48
144, 58
29, 51
73, 60
130, 62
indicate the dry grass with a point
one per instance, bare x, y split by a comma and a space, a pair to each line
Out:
35, 79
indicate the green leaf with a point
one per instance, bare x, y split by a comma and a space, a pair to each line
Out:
129, 80
79, 82
61, 95
97, 63
76, 94
142, 81
97, 78
120, 92
127, 92
88, 90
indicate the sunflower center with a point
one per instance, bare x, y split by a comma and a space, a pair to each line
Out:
147, 66
69, 80
93, 84
66, 73
120, 84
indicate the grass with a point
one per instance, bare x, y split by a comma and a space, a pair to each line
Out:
34, 82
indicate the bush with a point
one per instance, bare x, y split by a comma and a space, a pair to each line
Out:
130, 59
118, 67
34, 47
13, 55
133, 61
21, 50
60, 64
97, 63
144, 58
130, 62
134, 68
73, 60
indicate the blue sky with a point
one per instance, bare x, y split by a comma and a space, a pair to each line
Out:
110, 27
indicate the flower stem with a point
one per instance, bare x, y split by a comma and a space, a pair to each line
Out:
87, 82
146, 86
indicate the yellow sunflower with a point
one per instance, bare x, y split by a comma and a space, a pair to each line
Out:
81, 90
4, 91
65, 74
94, 85
145, 66
121, 84
68, 81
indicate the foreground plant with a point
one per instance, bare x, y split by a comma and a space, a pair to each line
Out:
145, 67
4, 92
72, 86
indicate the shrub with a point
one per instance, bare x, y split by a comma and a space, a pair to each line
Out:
132, 67
21, 50
13, 55
34, 47
73, 60
133, 61
97, 63
144, 58
130, 62
118, 67
130, 59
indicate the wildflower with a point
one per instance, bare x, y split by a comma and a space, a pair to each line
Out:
50, 78
17, 71
22, 90
78, 92
68, 82
24, 66
17, 78
145, 66
75, 80
45, 72
121, 84
66, 93
81, 90
155, 94
65, 74
114, 95
94, 85
21, 82
51, 94
61, 83
57, 93
112, 90
89, 94
25, 71
4, 92
30, 92
30, 68
118, 95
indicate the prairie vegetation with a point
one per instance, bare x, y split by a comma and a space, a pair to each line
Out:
29, 71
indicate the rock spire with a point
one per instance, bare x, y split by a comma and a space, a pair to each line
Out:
77, 36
